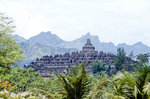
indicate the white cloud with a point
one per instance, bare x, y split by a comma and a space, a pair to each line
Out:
112, 20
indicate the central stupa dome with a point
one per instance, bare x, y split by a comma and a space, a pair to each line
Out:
88, 47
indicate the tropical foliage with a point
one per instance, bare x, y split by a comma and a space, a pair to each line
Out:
109, 82
119, 60
143, 58
75, 85
21, 78
10, 51
100, 68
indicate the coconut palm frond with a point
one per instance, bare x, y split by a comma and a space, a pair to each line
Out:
111, 96
125, 85
75, 85
146, 89
99, 88
66, 86
133, 86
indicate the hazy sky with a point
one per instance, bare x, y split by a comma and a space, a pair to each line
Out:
118, 21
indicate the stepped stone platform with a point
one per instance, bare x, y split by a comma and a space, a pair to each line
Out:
62, 63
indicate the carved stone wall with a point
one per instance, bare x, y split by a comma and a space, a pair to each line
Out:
62, 63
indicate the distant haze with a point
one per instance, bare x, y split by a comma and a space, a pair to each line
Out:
117, 21
47, 43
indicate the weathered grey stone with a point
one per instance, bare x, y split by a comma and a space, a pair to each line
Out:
62, 63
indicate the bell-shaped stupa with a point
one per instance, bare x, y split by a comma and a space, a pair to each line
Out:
88, 47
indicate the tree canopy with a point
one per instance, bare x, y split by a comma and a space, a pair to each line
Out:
119, 60
10, 51
143, 58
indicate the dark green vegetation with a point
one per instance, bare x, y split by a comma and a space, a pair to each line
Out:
100, 68
119, 60
117, 82
80, 85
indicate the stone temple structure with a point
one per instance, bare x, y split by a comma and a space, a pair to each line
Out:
62, 63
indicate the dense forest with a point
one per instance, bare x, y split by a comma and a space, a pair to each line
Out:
103, 83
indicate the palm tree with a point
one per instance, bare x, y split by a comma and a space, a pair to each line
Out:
98, 89
133, 86
103, 89
112, 96
76, 84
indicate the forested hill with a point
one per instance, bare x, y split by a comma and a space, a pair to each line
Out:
47, 43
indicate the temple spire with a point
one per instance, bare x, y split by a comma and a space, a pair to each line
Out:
88, 47
88, 42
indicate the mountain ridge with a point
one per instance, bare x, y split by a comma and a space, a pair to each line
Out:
49, 39
47, 43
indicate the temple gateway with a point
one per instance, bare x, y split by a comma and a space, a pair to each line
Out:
62, 63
